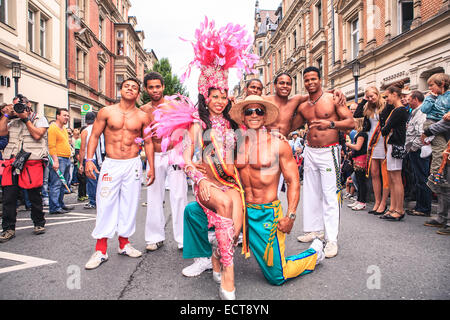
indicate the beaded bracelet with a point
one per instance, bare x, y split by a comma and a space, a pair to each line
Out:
194, 174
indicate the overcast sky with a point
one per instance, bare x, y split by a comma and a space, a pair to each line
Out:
164, 21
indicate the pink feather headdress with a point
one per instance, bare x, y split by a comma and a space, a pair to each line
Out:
216, 51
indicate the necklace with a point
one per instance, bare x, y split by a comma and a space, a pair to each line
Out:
315, 101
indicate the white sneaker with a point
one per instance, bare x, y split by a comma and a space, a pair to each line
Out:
128, 250
351, 205
227, 295
331, 249
359, 206
198, 267
154, 246
96, 259
180, 246
241, 237
317, 245
310, 236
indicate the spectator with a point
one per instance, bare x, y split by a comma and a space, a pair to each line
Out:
27, 137
81, 176
420, 166
359, 155
76, 142
99, 156
353, 132
435, 105
375, 112
59, 150
394, 132
442, 189
3, 144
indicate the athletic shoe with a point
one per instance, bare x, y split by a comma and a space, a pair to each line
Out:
38, 230
310, 236
331, 249
154, 246
351, 205
89, 206
198, 267
96, 259
180, 246
128, 250
7, 235
317, 245
444, 231
359, 206
433, 223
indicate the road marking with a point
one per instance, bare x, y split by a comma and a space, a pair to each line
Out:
57, 223
28, 261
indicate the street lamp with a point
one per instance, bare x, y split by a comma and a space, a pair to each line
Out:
356, 70
16, 74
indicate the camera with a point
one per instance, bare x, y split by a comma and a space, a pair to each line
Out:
21, 105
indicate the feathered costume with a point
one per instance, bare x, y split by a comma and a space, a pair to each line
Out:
216, 51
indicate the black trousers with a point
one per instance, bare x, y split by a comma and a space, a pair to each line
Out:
10, 195
81, 184
361, 181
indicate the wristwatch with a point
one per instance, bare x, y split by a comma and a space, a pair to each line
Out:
292, 216
332, 125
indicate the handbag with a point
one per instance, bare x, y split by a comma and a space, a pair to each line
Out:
19, 162
398, 151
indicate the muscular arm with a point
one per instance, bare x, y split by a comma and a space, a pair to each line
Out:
82, 152
149, 153
298, 120
346, 121
290, 172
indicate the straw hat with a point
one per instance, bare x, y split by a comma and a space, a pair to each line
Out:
271, 109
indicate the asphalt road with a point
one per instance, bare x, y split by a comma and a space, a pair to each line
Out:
377, 260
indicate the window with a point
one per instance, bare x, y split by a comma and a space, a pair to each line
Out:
100, 28
4, 11
295, 85
294, 35
406, 15
319, 14
119, 80
320, 66
31, 29
81, 62
354, 31
279, 58
120, 43
260, 49
81, 5
42, 36
261, 74
100, 79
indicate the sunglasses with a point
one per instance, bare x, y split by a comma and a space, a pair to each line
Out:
259, 112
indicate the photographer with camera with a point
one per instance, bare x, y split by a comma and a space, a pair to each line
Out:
24, 163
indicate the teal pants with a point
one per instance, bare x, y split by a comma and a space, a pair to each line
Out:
262, 230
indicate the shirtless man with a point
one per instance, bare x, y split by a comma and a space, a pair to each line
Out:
289, 106
253, 87
155, 222
325, 118
260, 161
119, 182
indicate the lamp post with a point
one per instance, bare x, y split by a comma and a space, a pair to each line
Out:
16, 74
356, 70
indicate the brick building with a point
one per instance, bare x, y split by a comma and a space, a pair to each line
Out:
103, 50
394, 40
32, 34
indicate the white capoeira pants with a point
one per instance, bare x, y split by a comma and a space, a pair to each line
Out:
118, 191
176, 178
320, 200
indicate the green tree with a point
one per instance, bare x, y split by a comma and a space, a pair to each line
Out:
171, 81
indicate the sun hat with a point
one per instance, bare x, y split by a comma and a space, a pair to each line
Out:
271, 109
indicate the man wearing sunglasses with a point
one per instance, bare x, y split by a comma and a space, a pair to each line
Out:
261, 158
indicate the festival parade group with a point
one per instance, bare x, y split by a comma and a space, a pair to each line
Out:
238, 155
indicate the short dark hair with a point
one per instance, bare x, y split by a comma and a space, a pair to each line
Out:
395, 89
59, 110
251, 80
134, 80
153, 76
416, 94
312, 69
282, 74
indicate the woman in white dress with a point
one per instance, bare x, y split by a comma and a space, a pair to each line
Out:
375, 112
